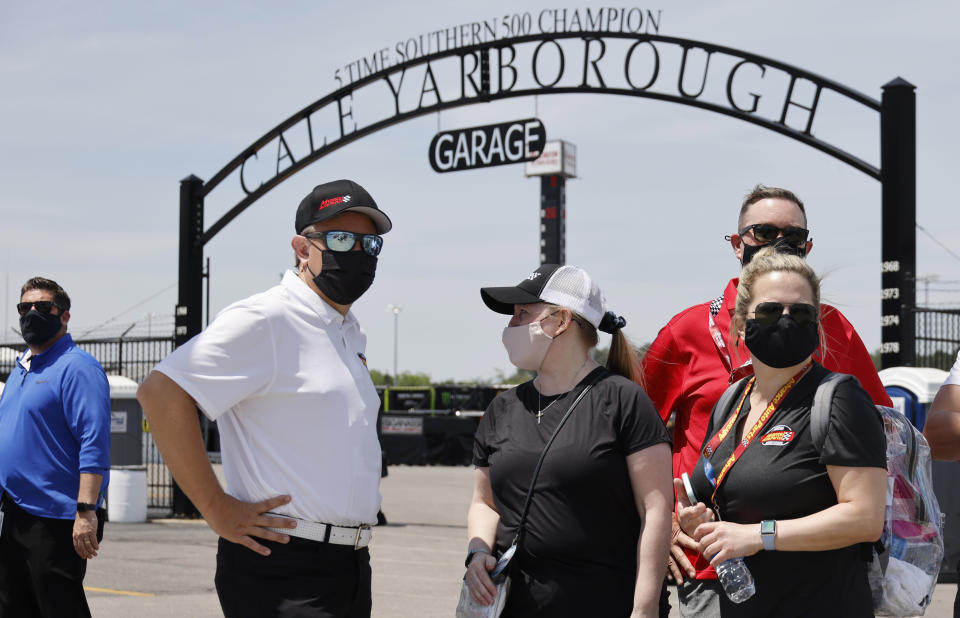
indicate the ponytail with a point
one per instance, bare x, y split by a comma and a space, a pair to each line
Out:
622, 359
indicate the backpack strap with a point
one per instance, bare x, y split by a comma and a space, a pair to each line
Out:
913, 452
819, 421
721, 410
822, 400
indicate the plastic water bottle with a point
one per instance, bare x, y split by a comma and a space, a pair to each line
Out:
736, 580
733, 574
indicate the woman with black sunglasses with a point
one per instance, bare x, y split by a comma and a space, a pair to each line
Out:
799, 514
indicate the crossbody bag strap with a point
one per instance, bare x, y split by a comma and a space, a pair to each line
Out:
536, 471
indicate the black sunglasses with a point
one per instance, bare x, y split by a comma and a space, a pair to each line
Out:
766, 233
43, 306
767, 314
337, 240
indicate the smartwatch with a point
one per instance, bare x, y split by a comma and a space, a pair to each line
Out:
768, 532
85, 506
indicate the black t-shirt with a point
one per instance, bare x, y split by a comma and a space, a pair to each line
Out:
782, 475
579, 553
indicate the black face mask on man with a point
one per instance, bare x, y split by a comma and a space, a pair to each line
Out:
783, 344
345, 275
780, 245
39, 328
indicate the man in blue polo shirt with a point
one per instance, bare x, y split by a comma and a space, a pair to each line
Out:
54, 462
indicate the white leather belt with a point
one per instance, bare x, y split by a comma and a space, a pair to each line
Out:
358, 537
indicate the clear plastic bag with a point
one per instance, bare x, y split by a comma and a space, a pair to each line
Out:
468, 608
902, 579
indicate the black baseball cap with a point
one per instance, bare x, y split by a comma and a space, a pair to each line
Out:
330, 199
502, 299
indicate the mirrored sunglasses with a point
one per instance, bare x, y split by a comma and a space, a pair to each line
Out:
340, 241
42, 306
766, 233
769, 313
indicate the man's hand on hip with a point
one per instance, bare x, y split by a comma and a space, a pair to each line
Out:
85, 534
677, 563
239, 522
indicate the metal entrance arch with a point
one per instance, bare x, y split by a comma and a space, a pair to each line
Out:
580, 62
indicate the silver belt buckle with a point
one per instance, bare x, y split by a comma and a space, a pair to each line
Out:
356, 541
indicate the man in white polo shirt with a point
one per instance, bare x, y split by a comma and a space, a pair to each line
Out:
284, 374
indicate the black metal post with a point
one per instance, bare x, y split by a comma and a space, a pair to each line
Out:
898, 175
206, 275
189, 310
553, 219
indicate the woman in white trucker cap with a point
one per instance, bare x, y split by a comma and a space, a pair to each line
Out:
595, 536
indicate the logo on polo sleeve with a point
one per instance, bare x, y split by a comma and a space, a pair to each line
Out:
781, 435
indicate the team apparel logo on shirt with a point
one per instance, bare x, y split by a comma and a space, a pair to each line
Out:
363, 359
781, 435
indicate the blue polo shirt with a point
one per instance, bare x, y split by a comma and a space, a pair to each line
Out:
54, 424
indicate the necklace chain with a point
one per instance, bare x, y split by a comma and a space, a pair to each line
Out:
540, 410
547, 407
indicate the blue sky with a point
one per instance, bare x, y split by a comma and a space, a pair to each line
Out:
107, 105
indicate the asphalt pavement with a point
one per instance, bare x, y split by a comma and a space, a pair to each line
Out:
165, 567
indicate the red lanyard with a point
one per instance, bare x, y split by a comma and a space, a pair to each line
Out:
748, 437
735, 374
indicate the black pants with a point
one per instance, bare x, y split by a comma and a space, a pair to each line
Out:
302, 579
41, 574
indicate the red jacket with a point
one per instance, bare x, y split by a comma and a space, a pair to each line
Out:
685, 373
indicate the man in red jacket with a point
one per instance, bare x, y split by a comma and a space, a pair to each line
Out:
692, 361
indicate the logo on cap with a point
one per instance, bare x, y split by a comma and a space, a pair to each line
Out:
333, 200
533, 276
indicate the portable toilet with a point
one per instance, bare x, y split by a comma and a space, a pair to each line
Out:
912, 390
127, 493
126, 423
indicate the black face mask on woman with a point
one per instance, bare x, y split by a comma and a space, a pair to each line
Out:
783, 344
345, 276
38, 328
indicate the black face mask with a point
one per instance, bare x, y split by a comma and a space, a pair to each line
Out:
38, 328
783, 344
780, 245
345, 276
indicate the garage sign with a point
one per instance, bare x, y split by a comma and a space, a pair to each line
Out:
486, 146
